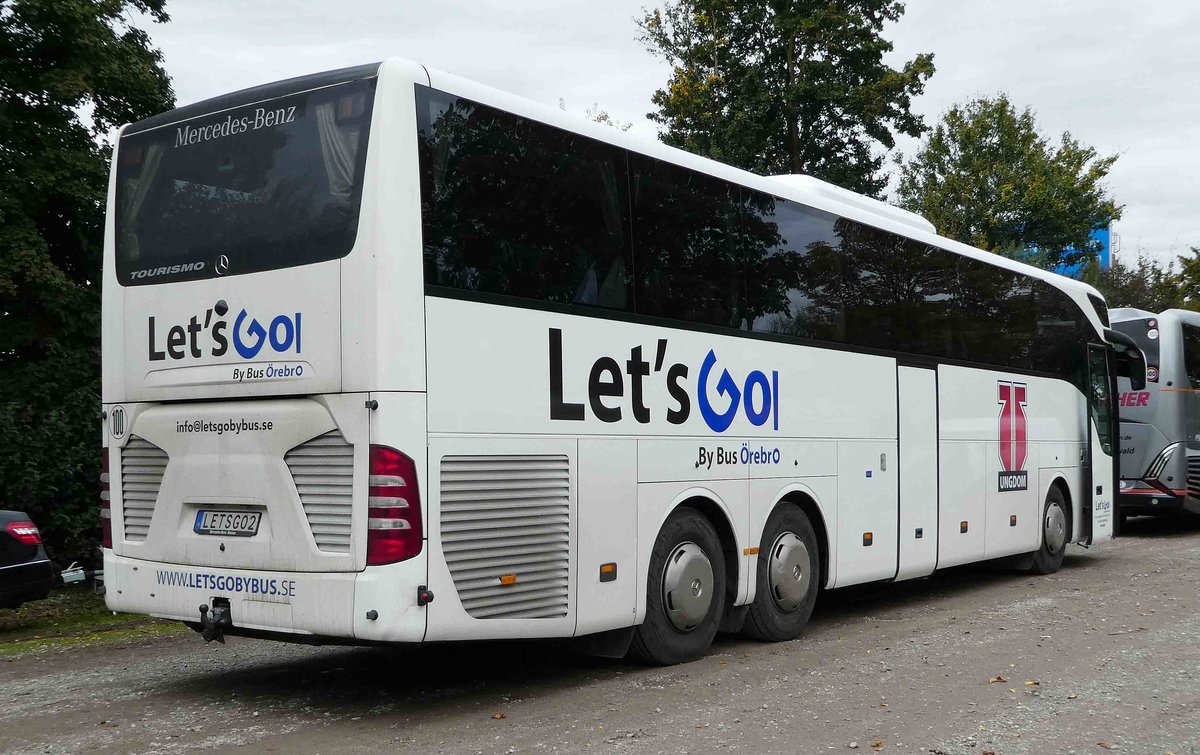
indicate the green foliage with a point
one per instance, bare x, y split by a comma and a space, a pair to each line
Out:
70, 71
785, 86
1189, 278
1149, 284
1145, 284
985, 176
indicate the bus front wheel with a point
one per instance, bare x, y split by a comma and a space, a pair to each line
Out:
1056, 528
788, 577
685, 595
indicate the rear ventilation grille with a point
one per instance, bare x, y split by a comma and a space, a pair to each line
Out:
508, 517
323, 471
1193, 471
142, 468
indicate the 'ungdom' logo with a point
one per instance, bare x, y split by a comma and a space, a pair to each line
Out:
1014, 444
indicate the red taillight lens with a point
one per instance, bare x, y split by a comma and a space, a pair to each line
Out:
105, 503
394, 531
25, 532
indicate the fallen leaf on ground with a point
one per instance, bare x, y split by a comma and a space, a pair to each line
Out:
499, 716
1032, 683
1072, 696
997, 678
1105, 745
877, 744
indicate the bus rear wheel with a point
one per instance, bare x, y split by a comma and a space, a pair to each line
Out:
788, 577
1056, 527
685, 595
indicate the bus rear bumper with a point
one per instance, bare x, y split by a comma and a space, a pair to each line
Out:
368, 606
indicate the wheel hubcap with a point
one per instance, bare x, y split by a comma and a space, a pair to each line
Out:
1055, 532
687, 586
787, 571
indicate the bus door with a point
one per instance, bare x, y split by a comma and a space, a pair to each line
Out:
1099, 472
918, 537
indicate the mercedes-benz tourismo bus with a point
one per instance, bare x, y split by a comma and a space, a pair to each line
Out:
1160, 422
390, 356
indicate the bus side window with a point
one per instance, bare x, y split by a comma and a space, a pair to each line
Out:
1191, 354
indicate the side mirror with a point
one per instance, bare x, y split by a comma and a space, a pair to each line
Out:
1131, 363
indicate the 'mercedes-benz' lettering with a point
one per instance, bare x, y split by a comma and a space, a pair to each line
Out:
208, 335
720, 398
154, 272
185, 136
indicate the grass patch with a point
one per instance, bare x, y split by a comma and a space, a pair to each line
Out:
72, 616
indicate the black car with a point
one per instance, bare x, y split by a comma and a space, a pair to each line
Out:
25, 571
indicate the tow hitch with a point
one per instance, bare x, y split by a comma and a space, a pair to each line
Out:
214, 621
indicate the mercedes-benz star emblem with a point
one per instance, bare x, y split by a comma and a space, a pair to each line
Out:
222, 265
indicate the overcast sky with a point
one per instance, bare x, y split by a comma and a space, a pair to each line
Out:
1121, 76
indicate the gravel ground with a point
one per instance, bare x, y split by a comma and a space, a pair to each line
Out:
1103, 656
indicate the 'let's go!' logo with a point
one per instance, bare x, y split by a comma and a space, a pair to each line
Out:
209, 335
720, 395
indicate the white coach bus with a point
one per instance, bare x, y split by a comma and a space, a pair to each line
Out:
1160, 421
390, 356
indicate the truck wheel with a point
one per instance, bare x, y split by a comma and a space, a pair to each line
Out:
685, 593
788, 577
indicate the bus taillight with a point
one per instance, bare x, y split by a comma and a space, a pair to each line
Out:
393, 508
105, 502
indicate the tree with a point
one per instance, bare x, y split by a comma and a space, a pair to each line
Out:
70, 71
1145, 284
1189, 278
785, 86
986, 176
599, 115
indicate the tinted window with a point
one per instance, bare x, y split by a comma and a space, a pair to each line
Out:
1061, 332
514, 207
1101, 308
686, 248
793, 269
269, 185
1191, 354
518, 208
899, 294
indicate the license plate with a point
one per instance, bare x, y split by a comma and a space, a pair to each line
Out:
227, 523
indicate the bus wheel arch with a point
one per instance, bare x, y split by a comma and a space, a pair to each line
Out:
1060, 482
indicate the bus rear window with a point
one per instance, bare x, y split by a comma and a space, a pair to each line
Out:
267, 185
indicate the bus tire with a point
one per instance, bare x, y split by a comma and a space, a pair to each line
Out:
1056, 526
685, 592
788, 577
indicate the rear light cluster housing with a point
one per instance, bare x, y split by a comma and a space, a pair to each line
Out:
394, 529
105, 502
25, 532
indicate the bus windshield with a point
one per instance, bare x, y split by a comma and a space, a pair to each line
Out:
261, 186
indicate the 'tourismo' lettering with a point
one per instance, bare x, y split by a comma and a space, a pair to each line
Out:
720, 399
154, 272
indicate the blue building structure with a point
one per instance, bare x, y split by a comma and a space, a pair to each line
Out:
1104, 236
